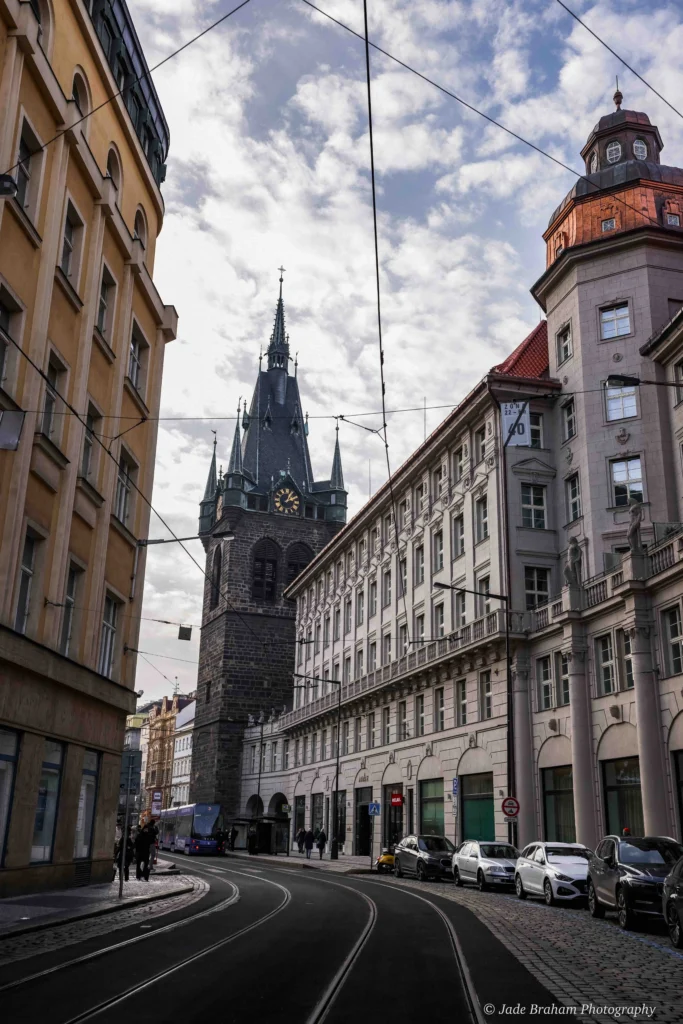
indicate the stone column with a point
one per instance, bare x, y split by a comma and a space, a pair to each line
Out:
585, 812
524, 757
649, 730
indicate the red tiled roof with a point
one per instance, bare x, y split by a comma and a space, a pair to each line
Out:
530, 359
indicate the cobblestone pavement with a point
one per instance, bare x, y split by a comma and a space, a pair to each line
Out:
19, 947
580, 960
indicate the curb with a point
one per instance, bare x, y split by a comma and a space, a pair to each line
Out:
136, 901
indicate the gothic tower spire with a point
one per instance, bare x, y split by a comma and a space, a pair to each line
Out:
206, 506
337, 477
235, 464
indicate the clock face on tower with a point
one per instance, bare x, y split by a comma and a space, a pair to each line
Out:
286, 501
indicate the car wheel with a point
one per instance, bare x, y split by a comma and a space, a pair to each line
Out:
421, 872
481, 882
398, 869
596, 908
624, 912
456, 877
519, 888
548, 894
674, 925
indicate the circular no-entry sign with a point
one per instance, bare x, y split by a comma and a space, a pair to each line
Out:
510, 807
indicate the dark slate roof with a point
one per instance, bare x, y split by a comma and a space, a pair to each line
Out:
619, 174
266, 451
618, 118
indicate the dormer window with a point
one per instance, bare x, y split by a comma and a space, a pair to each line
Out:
673, 220
639, 150
613, 152
609, 224
594, 162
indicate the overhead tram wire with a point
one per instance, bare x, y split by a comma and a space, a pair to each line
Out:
140, 78
475, 110
619, 58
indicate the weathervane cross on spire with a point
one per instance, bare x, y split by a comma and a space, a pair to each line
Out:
282, 270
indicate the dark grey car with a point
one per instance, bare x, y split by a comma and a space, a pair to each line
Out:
627, 874
424, 856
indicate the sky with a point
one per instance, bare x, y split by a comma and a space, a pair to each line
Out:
269, 166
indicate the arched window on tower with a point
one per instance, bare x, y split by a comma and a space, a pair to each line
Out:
264, 579
298, 557
216, 569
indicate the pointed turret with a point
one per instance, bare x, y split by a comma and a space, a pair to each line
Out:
208, 504
337, 477
235, 464
278, 349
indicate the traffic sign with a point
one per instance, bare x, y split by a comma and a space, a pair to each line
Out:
455, 787
510, 821
374, 809
510, 806
397, 799
285, 809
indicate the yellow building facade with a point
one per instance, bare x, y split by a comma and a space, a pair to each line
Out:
82, 338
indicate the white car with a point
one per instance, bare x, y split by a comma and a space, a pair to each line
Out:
488, 865
555, 871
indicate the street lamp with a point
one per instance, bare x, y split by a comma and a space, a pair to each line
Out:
625, 380
334, 845
508, 662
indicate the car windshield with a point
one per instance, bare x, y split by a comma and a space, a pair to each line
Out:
649, 851
498, 851
554, 853
435, 844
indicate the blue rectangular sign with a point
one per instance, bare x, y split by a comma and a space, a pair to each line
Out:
373, 809
455, 787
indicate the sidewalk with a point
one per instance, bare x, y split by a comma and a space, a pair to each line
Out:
31, 912
346, 865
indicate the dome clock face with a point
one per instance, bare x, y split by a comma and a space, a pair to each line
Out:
286, 501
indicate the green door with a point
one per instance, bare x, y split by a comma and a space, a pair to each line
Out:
477, 807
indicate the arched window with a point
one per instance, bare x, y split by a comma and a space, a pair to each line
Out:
114, 168
264, 579
79, 94
43, 12
140, 229
216, 577
298, 557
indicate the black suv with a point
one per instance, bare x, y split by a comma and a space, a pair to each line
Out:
627, 875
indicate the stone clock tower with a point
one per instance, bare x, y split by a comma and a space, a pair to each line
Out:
261, 524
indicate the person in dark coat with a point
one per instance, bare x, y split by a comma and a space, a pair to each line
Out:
119, 855
300, 838
320, 842
308, 843
233, 837
220, 840
144, 841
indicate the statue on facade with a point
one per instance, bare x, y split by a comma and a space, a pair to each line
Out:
636, 518
572, 567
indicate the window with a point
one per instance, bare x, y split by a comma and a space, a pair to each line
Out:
419, 564
483, 605
24, 168
372, 656
345, 738
29, 159
402, 720
297, 753
348, 564
358, 724
372, 599
26, 573
316, 646
485, 695
605, 664
562, 672
402, 639
326, 631
362, 551
371, 730
304, 752
53, 385
419, 628
626, 650
533, 506
439, 709
544, 680
673, 640
386, 726
564, 344
458, 464
323, 744
536, 430
92, 422
124, 487
264, 579
573, 491
46, 806
615, 321
285, 753
360, 607
673, 220
568, 420
402, 514
386, 588
458, 536
68, 611
347, 615
621, 403
627, 481
86, 805
137, 359
593, 162
482, 517
108, 636
7, 311
480, 444
535, 586
609, 224
337, 623
360, 663
460, 609
438, 551
439, 620
309, 643
72, 239
419, 496
388, 525
461, 702
403, 576
347, 669
105, 307
640, 150
140, 225
613, 152
437, 483
298, 557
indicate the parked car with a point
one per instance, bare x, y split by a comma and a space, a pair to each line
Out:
423, 856
627, 875
555, 871
672, 903
485, 864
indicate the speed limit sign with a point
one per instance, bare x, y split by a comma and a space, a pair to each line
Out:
510, 807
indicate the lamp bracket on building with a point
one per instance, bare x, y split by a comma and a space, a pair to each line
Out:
8, 186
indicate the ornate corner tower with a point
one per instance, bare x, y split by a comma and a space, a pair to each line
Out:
260, 523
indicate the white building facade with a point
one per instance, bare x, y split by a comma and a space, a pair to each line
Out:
182, 756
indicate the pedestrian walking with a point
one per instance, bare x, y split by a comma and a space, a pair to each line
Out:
322, 839
300, 838
308, 843
220, 840
144, 842
121, 862
233, 837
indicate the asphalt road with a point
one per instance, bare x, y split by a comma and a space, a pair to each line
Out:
280, 944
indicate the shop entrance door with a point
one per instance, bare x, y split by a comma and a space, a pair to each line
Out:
363, 821
393, 814
477, 807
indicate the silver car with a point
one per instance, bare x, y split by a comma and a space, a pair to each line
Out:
555, 871
488, 865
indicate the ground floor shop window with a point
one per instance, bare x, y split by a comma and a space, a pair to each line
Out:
299, 815
363, 821
478, 820
48, 797
86, 805
678, 775
431, 807
317, 811
558, 804
393, 813
623, 801
9, 748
